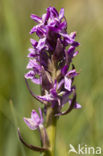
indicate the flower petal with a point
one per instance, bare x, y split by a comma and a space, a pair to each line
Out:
46, 97
64, 70
36, 80
29, 75
73, 35
60, 84
54, 12
61, 13
41, 44
33, 64
30, 123
67, 38
72, 73
33, 42
76, 53
77, 106
34, 29
35, 117
36, 18
68, 83
32, 53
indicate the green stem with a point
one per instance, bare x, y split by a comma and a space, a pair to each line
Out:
51, 131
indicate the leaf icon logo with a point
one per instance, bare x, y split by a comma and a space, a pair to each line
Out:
72, 149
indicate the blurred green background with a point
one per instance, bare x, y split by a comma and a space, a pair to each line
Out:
83, 126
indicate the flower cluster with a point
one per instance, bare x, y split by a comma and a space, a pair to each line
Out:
50, 61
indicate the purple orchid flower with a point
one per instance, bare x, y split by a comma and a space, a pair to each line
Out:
35, 121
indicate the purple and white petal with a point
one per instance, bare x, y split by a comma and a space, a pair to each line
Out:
72, 73
30, 123
54, 12
75, 53
67, 38
32, 53
60, 84
61, 13
34, 29
40, 32
46, 97
35, 117
77, 106
63, 25
42, 44
75, 44
47, 15
70, 51
29, 75
35, 121
36, 80
36, 18
33, 64
73, 35
33, 42
67, 83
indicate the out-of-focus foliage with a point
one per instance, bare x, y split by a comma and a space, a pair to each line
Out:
80, 126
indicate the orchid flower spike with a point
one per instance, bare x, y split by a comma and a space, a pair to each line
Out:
51, 67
